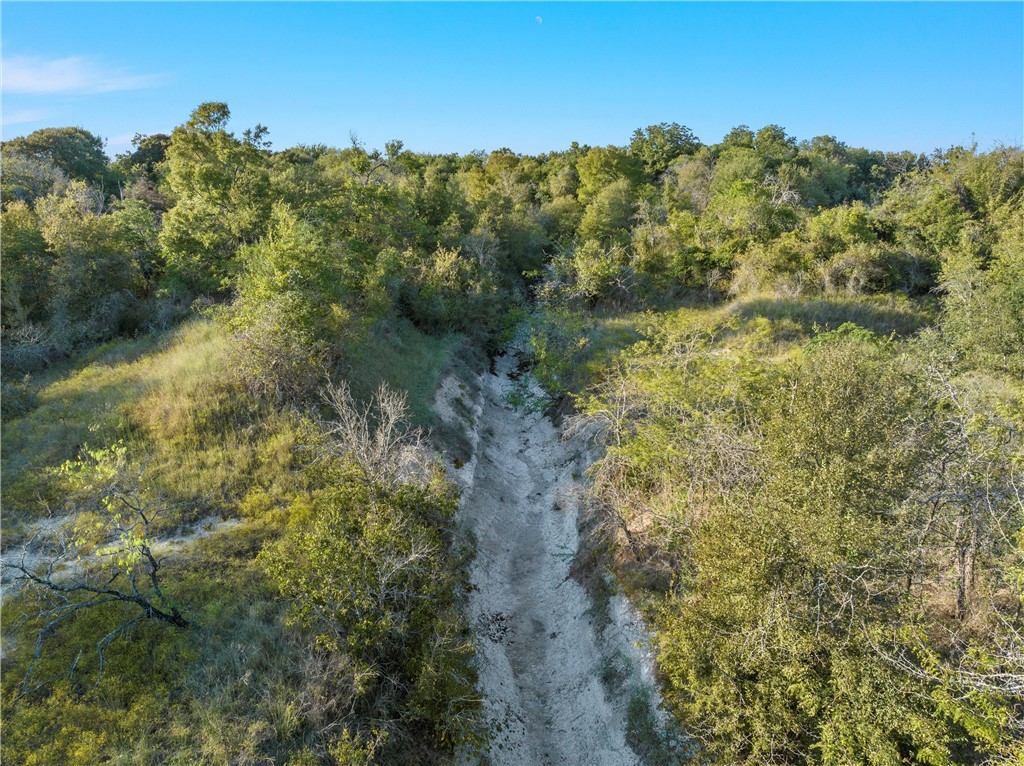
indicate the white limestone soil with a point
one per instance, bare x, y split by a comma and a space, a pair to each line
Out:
541, 647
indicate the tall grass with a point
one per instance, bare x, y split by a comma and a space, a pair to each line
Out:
883, 315
174, 398
199, 436
93, 403
407, 359
241, 693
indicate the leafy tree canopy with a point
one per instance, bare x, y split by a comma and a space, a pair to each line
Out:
657, 145
75, 151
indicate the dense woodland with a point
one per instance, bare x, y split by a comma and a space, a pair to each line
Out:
229, 538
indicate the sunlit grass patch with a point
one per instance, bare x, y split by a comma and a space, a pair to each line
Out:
88, 406
113, 392
883, 315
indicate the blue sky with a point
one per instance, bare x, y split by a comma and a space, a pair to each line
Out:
530, 76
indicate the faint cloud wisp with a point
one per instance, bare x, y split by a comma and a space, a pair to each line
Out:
75, 75
21, 117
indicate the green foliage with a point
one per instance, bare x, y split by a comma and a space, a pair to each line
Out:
847, 331
78, 725
287, 310
737, 165
818, 510
371, 576
220, 185
777, 567
745, 210
789, 515
600, 167
599, 272
453, 291
26, 266
405, 358
688, 180
561, 217
77, 152
839, 228
27, 178
557, 342
984, 308
146, 158
95, 276
245, 685
608, 215
658, 145
175, 388
772, 143
656, 742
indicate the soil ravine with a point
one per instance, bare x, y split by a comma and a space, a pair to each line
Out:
541, 652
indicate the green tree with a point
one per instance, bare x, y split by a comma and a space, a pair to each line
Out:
600, 273
561, 218
560, 177
745, 211
26, 267
600, 167
221, 186
658, 145
144, 161
372, 576
76, 151
826, 172
287, 312
736, 165
688, 181
772, 143
451, 290
740, 137
608, 217
983, 309
24, 178
797, 577
96, 275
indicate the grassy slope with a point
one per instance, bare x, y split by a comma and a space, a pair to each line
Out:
231, 692
773, 325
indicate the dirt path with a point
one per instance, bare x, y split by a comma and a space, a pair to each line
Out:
545, 657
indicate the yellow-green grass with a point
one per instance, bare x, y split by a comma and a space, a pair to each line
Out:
93, 404
211, 694
765, 324
204, 441
201, 440
882, 314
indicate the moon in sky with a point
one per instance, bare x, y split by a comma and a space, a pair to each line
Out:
540, 20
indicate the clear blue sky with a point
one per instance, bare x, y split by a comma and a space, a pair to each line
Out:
529, 76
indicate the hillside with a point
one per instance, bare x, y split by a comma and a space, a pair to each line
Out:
663, 453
